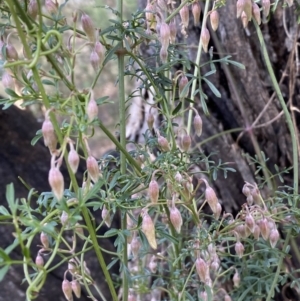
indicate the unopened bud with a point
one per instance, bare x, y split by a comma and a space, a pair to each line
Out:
202, 269
218, 211
176, 219
93, 168
198, 125
99, 49
88, 27
227, 298
153, 192
196, 10
150, 120
92, 109
178, 177
289, 2
205, 37
39, 261
186, 142
73, 159
215, 263
153, 264
249, 200
64, 218
214, 20
256, 13
211, 198
135, 246
8, 81
264, 228
246, 190
274, 237
184, 15
149, 229
173, 30
44, 240
182, 84
51, 7
32, 9
106, 216
131, 297
163, 54
11, 53
239, 249
56, 181
250, 223
67, 290
48, 132
256, 232
163, 143
248, 9
244, 19
76, 288
240, 6
164, 35
72, 266
236, 279
95, 60
266, 5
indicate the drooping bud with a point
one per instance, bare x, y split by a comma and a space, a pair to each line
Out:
88, 27
205, 37
250, 200
44, 240
198, 125
99, 49
32, 9
8, 81
173, 31
76, 288
39, 261
67, 290
149, 229
176, 219
202, 269
196, 10
244, 19
239, 249
72, 266
149, 14
215, 263
211, 198
178, 177
246, 190
240, 6
56, 181
186, 142
153, 191
73, 158
93, 168
135, 245
248, 9
64, 218
264, 228
250, 223
256, 13
163, 143
236, 279
182, 83
218, 211
214, 20
49, 135
92, 108
95, 60
51, 7
164, 35
153, 264
106, 216
163, 54
150, 120
256, 232
184, 15
274, 237
266, 5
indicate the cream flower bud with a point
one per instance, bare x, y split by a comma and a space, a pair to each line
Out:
196, 11
205, 37
39, 261
186, 142
239, 249
256, 232
149, 229
93, 168
49, 135
106, 216
214, 20
202, 269
184, 15
274, 237
182, 83
173, 30
264, 228
218, 211
64, 218
198, 125
256, 13
236, 279
211, 198
163, 54
56, 181
95, 60
178, 177
67, 290
240, 6
163, 143
32, 9
176, 219
164, 35
149, 14
246, 190
88, 27
92, 109
76, 288
73, 158
44, 240
250, 223
72, 266
153, 192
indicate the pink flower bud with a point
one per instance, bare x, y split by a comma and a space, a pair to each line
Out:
249, 200
264, 228
182, 83
240, 5
8, 81
56, 181
92, 109
32, 9
205, 37
256, 13
173, 30
67, 290
153, 264
186, 142
163, 54
95, 60
135, 246
248, 9
164, 35
244, 19
73, 159
246, 190
88, 27
100, 50
131, 297
64, 218
215, 263
211, 198
51, 7
149, 229
227, 298
236, 279
250, 223
184, 15
163, 143
44, 240
150, 120
202, 269
274, 237
176, 218
266, 5
218, 211
106, 216
256, 232
153, 192
48, 132
178, 177
93, 168
198, 125
214, 20
39, 261
239, 249
76, 288
196, 10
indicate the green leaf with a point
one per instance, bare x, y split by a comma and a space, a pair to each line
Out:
38, 136
177, 109
237, 64
48, 82
10, 198
3, 272
102, 100
11, 93
212, 87
4, 211
3, 256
